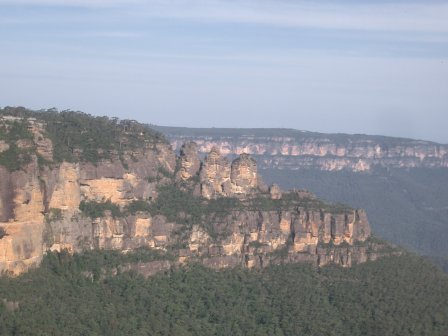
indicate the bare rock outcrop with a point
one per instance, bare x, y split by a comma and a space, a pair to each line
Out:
275, 191
189, 161
244, 175
4, 146
220, 178
21, 248
28, 195
41, 208
64, 190
258, 238
21, 211
215, 175
44, 146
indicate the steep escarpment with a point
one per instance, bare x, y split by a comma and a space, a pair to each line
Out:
81, 183
293, 149
400, 182
50, 166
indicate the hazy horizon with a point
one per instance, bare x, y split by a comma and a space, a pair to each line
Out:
376, 67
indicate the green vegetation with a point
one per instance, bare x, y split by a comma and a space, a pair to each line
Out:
78, 136
256, 244
152, 179
137, 206
259, 135
223, 206
47, 234
2, 232
54, 214
102, 262
440, 262
94, 209
14, 130
180, 206
41, 161
164, 172
14, 157
400, 296
177, 205
280, 254
291, 200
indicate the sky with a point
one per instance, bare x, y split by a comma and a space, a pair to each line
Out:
339, 66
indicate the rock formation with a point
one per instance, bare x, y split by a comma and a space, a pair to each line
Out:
189, 161
275, 192
220, 178
215, 175
244, 175
43, 207
259, 236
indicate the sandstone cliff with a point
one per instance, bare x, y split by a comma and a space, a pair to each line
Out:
292, 149
125, 197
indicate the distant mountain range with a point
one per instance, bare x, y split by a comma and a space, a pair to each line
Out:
402, 183
293, 149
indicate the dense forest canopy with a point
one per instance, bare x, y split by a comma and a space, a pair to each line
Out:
81, 295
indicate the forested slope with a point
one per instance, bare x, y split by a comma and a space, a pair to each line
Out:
68, 296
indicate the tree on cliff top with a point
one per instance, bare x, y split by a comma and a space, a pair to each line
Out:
79, 136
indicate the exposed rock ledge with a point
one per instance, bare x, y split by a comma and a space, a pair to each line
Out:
40, 211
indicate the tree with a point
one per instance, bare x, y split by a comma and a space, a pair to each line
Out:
2, 232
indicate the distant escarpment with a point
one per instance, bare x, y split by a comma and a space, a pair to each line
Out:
69, 181
402, 183
293, 149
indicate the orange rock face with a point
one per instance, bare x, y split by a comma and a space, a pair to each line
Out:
244, 176
67, 192
215, 175
275, 192
21, 248
220, 178
189, 161
39, 211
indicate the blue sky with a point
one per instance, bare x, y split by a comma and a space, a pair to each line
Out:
377, 67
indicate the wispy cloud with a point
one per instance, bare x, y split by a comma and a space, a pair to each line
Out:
219, 59
72, 3
399, 16
377, 17
112, 34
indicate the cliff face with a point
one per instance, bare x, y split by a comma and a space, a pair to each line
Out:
219, 177
258, 238
40, 209
114, 204
291, 149
21, 213
406, 201
189, 161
